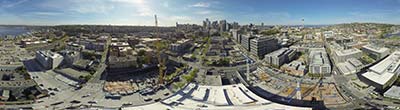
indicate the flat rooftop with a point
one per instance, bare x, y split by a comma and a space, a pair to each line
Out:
393, 92
348, 52
382, 72
376, 48
226, 97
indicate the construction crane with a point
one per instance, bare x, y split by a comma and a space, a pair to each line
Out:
161, 61
296, 92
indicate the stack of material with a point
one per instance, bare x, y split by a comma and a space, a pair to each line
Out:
119, 87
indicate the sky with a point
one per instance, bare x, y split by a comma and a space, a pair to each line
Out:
141, 12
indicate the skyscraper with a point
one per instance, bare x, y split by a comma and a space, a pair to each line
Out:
222, 25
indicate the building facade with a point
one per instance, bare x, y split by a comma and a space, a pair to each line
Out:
319, 62
281, 56
375, 51
260, 46
48, 59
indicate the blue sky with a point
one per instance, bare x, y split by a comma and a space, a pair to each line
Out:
141, 12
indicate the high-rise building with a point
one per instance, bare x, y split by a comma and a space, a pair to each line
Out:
222, 26
235, 25
206, 24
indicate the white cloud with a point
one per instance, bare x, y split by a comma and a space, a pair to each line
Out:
46, 13
142, 7
9, 5
204, 12
201, 5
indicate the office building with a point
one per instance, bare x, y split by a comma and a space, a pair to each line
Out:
245, 41
222, 26
393, 93
48, 59
180, 46
260, 46
281, 56
383, 74
319, 62
375, 51
343, 55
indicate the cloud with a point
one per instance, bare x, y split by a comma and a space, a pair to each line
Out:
142, 7
46, 13
9, 5
201, 5
204, 12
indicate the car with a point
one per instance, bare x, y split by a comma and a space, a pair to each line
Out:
52, 93
156, 100
39, 101
75, 101
92, 102
127, 104
87, 95
57, 103
147, 99
166, 94
202, 105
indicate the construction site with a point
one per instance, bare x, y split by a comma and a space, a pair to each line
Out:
320, 91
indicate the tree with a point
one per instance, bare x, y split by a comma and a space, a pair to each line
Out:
141, 52
270, 32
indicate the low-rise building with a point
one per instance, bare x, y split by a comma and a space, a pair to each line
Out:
351, 66
48, 59
74, 47
180, 46
295, 68
129, 61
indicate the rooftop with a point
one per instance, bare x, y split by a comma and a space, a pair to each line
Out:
347, 52
382, 72
376, 48
49, 54
393, 92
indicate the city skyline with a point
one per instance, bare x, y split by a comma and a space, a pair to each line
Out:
141, 12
